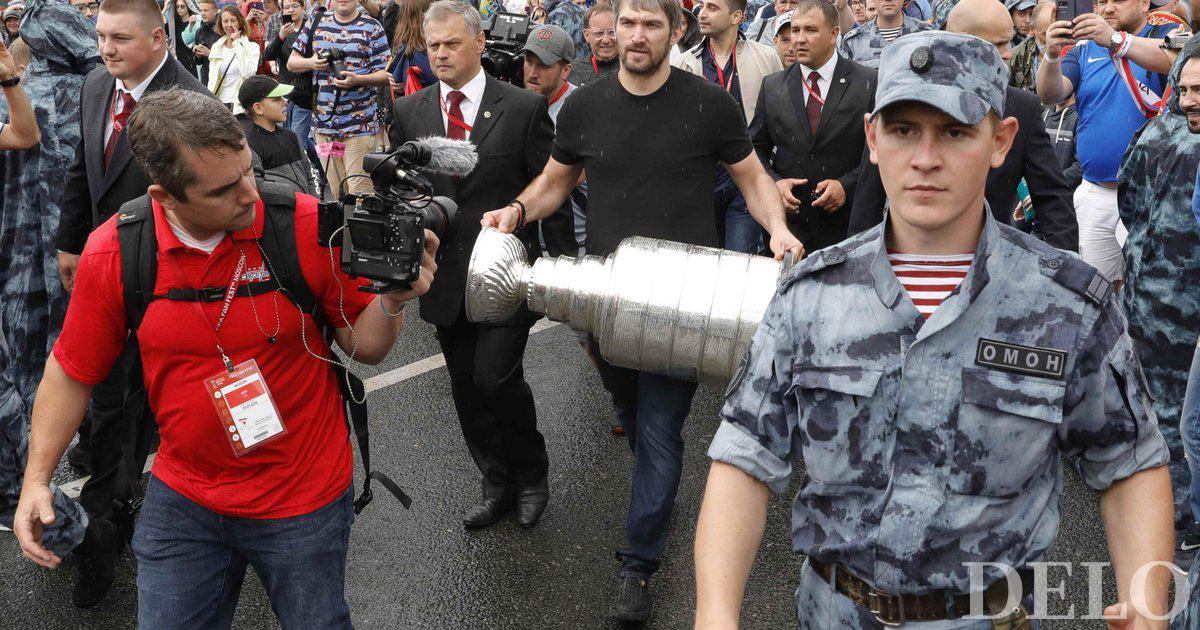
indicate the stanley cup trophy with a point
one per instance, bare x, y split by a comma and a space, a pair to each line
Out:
679, 310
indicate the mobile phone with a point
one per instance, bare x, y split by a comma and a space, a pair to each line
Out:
1070, 9
258, 5
285, 18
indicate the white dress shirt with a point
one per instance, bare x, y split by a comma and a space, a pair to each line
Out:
824, 77
472, 95
136, 92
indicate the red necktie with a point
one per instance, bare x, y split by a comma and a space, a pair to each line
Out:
118, 122
814, 101
454, 117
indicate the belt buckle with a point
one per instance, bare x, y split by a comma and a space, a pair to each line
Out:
876, 598
211, 294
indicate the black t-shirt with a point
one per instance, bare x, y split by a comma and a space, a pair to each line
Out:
650, 159
273, 148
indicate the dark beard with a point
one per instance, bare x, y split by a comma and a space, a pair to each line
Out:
653, 65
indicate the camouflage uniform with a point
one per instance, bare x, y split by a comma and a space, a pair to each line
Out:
569, 16
1189, 619
62, 49
942, 12
864, 44
932, 443
71, 519
1162, 256
1021, 68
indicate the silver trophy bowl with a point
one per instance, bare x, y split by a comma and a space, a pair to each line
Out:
680, 310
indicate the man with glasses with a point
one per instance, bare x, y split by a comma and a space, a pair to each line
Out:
863, 10
600, 36
89, 7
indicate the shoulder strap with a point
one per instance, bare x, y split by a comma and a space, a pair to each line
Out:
278, 244
139, 258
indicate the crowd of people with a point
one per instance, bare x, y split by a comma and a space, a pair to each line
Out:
995, 209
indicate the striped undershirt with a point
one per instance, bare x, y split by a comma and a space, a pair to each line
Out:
928, 279
890, 34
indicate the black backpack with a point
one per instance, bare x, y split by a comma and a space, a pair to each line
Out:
139, 268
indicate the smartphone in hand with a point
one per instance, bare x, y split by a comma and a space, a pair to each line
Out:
1068, 10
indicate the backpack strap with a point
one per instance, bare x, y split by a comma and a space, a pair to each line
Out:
139, 258
278, 245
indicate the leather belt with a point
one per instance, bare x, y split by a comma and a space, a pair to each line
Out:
891, 609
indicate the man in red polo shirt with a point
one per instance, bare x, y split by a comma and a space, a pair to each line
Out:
254, 466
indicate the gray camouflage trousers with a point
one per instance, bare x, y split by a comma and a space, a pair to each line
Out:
71, 520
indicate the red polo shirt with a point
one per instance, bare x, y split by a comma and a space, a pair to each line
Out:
294, 474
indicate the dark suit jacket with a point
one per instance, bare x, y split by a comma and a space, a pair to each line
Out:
94, 193
1032, 157
788, 149
513, 143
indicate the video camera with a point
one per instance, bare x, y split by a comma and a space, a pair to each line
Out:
383, 234
504, 37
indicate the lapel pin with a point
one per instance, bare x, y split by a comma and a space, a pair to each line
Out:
487, 114
842, 80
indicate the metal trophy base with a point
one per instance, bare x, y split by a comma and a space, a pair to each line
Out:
680, 310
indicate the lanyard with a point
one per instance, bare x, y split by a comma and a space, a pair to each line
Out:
732, 70
229, 295
560, 93
453, 119
595, 67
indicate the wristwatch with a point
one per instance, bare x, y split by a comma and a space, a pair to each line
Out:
1115, 40
7, 83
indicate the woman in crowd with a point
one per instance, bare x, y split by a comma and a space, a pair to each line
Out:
409, 67
187, 14
232, 60
256, 13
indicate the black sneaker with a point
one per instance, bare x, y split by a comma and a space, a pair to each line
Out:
97, 562
632, 602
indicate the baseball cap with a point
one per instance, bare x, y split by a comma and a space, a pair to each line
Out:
782, 20
960, 75
258, 87
550, 43
1019, 5
13, 11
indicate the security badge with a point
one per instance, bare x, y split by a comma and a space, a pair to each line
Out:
1010, 357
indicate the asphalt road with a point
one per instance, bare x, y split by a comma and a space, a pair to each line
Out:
419, 569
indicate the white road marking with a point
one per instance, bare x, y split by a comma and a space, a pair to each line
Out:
375, 383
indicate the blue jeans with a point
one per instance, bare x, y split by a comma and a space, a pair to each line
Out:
742, 232
191, 563
299, 120
652, 410
1189, 429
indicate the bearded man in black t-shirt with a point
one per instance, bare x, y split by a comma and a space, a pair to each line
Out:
649, 137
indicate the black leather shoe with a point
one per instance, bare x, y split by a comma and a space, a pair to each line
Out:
632, 602
531, 502
492, 507
97, 554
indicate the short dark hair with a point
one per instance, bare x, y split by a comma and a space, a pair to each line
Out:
735, 5
671, 8
145, 9
828, 11
600, 7
168, 122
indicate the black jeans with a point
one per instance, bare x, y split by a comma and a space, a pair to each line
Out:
121, 430
494, 403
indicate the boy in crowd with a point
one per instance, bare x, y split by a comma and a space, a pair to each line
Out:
268, 137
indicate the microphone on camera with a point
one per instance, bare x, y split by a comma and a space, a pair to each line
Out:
439, 155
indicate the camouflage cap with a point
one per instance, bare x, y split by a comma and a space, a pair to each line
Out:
960, 75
